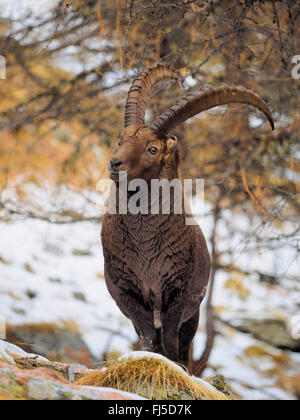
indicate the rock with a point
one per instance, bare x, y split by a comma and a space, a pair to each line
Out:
8, 351
41, 390
29, 268
55, 343
220, 384
53, 249
39, 386
29, 377
55, 280
18, 311
69, 372
31, 294
8, 384
79, 296
4, 261
82, 253
272, 331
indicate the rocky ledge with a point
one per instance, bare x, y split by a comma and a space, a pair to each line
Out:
25, 376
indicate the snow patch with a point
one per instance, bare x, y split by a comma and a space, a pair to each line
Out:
116, 391
8, 351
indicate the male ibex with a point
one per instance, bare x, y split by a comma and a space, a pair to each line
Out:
156, 267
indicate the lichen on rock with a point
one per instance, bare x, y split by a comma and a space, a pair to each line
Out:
133, 377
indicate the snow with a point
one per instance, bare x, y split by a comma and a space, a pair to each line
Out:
56, 275
116, 391
14, 8
7, 351
136, 355
248, 377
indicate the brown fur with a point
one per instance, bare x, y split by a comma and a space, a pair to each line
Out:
156, 268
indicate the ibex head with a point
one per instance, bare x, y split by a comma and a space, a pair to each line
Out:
144, 149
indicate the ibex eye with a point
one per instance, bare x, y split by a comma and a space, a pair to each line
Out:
153, 150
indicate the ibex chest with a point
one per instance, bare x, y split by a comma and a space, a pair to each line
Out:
149, 251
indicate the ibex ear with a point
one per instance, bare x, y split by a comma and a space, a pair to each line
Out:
171, 143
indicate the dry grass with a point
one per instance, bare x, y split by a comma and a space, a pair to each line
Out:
151, 378
40, 329
258, 351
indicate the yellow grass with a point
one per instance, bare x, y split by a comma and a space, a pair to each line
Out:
151, 378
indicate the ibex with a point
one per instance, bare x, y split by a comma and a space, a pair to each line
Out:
157, 267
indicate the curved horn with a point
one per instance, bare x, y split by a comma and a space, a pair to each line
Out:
141, 89
195, 103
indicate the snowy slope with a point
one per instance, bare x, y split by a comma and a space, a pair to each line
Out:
57, 263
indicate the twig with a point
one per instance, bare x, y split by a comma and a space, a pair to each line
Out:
210, 313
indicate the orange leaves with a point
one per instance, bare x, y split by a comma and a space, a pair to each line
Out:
193, 7
261, 191
258, 196
120, 37
101, 22
293, 171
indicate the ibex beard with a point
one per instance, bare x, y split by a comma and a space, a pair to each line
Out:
157, 267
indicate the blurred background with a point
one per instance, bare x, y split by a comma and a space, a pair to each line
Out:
69, 65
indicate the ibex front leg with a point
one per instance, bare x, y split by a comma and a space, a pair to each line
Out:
143, 321
187, 333
171, 326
